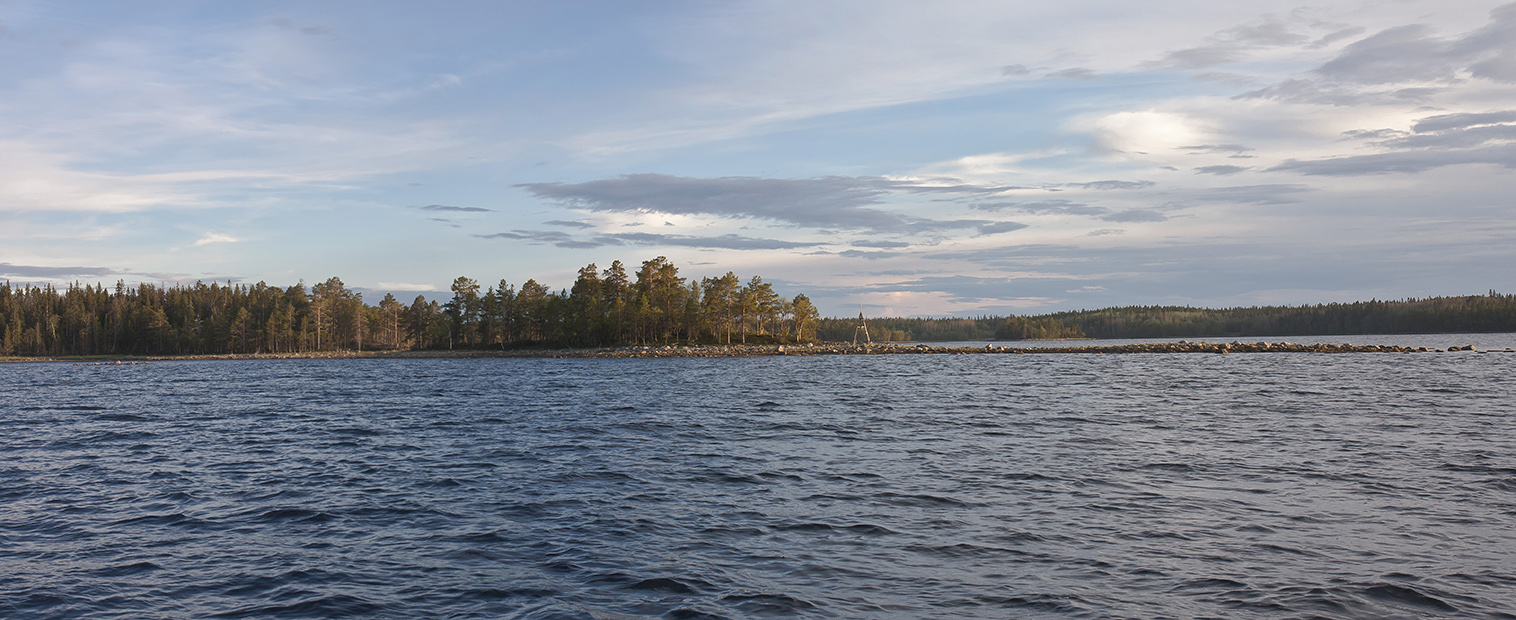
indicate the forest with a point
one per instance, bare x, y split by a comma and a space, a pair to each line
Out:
602, 308
946, 329
615, 307
1492, 312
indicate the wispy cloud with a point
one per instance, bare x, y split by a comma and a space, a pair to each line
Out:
828, 202
1234, 43
38, 271
210, 238
1434, 142
1220, 170
1000, 227
1078, 73
406, 286
1406, 64
456, 209
1401, 162
728, 241
1111, 185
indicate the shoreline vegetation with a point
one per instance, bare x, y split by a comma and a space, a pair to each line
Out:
611, 312
801, 350
1489, 313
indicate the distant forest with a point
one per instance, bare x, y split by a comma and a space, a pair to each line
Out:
946, 330
613, 307
605, 307
1492, 312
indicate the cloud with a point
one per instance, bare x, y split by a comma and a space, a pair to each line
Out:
216, 238
1148, 131
1009, 70
881, 244
1222, 269
827, 202
1220, 170
1000, 227
1219, 77
541, 236
405, 286
456, 209
727, 242
1337, 35
1055, 206
1373, 134
1445, 122
1064, 207
1401, 162
1079, 73
1275, 193
1325, 93
1434, 142
569, 223
868, 255
1196, 149
1406, 64
1453, 138
1200, 57
1230, 45
1135, 215
36, 271
1396, 55
955, 287
1111, 185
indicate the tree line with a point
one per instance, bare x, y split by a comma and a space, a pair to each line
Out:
897, 329
1492, 312
603, 307
613, 306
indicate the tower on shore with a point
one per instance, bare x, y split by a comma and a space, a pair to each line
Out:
863, 326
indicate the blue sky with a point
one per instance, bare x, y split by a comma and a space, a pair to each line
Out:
954, 158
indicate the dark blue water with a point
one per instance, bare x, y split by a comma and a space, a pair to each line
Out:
951, 486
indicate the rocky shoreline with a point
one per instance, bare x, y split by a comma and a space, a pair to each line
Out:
919, 349
737, 350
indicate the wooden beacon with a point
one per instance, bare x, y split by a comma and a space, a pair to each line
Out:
863, 326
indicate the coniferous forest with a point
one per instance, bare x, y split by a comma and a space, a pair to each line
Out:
1492, 312
609, 307
614, 307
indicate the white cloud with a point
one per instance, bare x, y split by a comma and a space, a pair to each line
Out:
406, 286
1149, 132
211, 237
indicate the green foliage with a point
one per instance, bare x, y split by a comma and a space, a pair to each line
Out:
1023, 328
907, 330
602, 308
608, 307
1492, 312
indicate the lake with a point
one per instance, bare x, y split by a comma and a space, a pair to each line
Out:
913, 486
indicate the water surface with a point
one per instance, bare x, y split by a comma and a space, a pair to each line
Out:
944, 486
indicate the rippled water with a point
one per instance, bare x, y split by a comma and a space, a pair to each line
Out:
941, 486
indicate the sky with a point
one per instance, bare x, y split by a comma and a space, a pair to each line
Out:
902, 158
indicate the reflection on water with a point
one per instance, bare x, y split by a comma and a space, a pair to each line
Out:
971, 486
